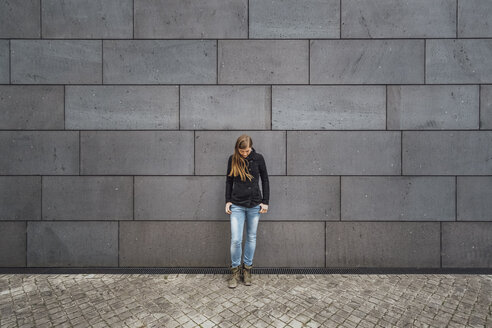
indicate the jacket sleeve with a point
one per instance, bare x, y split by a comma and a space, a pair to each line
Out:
265, 184
229, 181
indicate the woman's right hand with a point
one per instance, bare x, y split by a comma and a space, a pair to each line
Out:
228, 207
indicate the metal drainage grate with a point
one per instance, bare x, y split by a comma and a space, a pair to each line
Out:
222, 270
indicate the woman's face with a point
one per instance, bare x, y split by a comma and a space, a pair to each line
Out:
245, 152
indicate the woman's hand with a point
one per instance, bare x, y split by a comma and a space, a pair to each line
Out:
263, 208
228, 207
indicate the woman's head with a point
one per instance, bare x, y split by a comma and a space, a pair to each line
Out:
243, 145
241, 151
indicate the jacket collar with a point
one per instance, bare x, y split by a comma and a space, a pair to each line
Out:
251, 154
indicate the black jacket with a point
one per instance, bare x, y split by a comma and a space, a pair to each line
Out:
247, 193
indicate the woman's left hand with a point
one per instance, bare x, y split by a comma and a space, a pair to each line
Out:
263, 208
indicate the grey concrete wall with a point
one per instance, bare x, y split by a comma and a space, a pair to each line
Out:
374, 117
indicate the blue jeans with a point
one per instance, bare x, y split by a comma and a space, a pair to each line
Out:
238, 216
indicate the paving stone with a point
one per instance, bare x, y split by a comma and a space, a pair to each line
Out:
151, 300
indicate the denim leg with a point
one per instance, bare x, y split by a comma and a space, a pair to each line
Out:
253, 217
237, 223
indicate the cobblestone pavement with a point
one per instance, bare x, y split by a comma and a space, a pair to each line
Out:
204, 300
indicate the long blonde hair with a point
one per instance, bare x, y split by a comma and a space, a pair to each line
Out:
239, 166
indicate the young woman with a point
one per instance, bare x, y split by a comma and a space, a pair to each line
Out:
244, 202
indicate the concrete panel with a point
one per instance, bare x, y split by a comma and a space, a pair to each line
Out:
433, 107
72, 244
383, 244
168, 198
343, 152
174, 244
399, 19
87, 198
328, 107
467, 244
473, 197
458, 61
31, 107
12, 244
474, 19
398, 198
122, 107
56, 61
160, 61
304, 198
290, 244
225, 107
4, 61
20, 198
39, 152
213, 148
367, 61
87, 19
263, 61
447, 152
19, 19
137, 152
294, 19
177, 19
180, 198
486, 106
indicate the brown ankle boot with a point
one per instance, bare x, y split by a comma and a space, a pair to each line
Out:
235, 276
247, 274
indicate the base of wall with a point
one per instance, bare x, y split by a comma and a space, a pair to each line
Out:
222, 270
